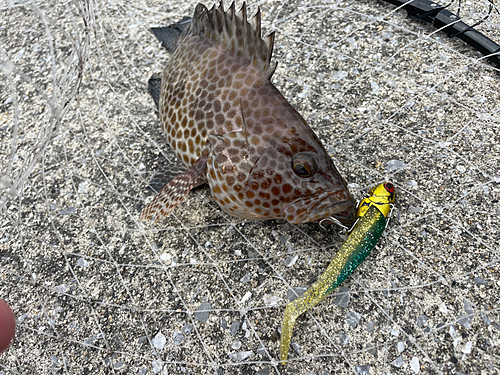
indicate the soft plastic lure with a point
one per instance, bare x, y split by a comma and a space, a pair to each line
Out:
372, 214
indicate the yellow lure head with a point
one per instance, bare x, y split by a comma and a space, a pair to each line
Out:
381, 196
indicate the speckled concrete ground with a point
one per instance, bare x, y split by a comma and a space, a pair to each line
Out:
96, 291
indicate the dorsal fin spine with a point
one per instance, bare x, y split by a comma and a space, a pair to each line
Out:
243, 12
232, 30
270, 45
257, 19
232, 10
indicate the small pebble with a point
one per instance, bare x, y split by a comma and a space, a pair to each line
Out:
370, 326
178, 337
223, 323
82, 262
371, 349
480, 281
236, 345
270, 300
468, 348
352, 319
261, 350
464, 321
398, 362
453, 331
343, 338
235, 327
362, 370
187, 328
290, 261
468, 307
392, 165
343, 297
415, 365
157, 366
485, 318
400, 346
159, 341
264, 371
422, 321
241, 356
203, 312
296, 347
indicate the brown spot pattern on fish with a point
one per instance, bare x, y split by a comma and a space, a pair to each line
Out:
217, 106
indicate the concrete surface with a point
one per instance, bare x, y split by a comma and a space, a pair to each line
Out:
96, 291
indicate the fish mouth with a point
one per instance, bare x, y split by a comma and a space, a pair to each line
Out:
342, 219
321, 206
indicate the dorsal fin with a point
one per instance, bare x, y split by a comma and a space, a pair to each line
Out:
232, 30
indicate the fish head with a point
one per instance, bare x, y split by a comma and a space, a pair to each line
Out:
271, 164
306, 184
319, 191
285, 171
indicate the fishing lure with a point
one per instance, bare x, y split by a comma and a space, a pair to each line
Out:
372, 214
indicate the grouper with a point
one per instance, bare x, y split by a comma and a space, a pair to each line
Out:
233, 130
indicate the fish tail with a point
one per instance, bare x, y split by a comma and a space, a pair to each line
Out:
169, 36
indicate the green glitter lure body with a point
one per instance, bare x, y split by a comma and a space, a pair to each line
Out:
372, 216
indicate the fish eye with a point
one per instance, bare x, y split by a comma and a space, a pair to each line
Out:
389, 187
304, 165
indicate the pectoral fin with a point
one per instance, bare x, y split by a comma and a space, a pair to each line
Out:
175, 191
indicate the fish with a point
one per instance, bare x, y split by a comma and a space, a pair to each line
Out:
373, 215
233, 130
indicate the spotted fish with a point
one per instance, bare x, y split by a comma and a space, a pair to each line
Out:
232, 129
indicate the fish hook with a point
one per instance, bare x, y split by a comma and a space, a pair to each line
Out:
334, 221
